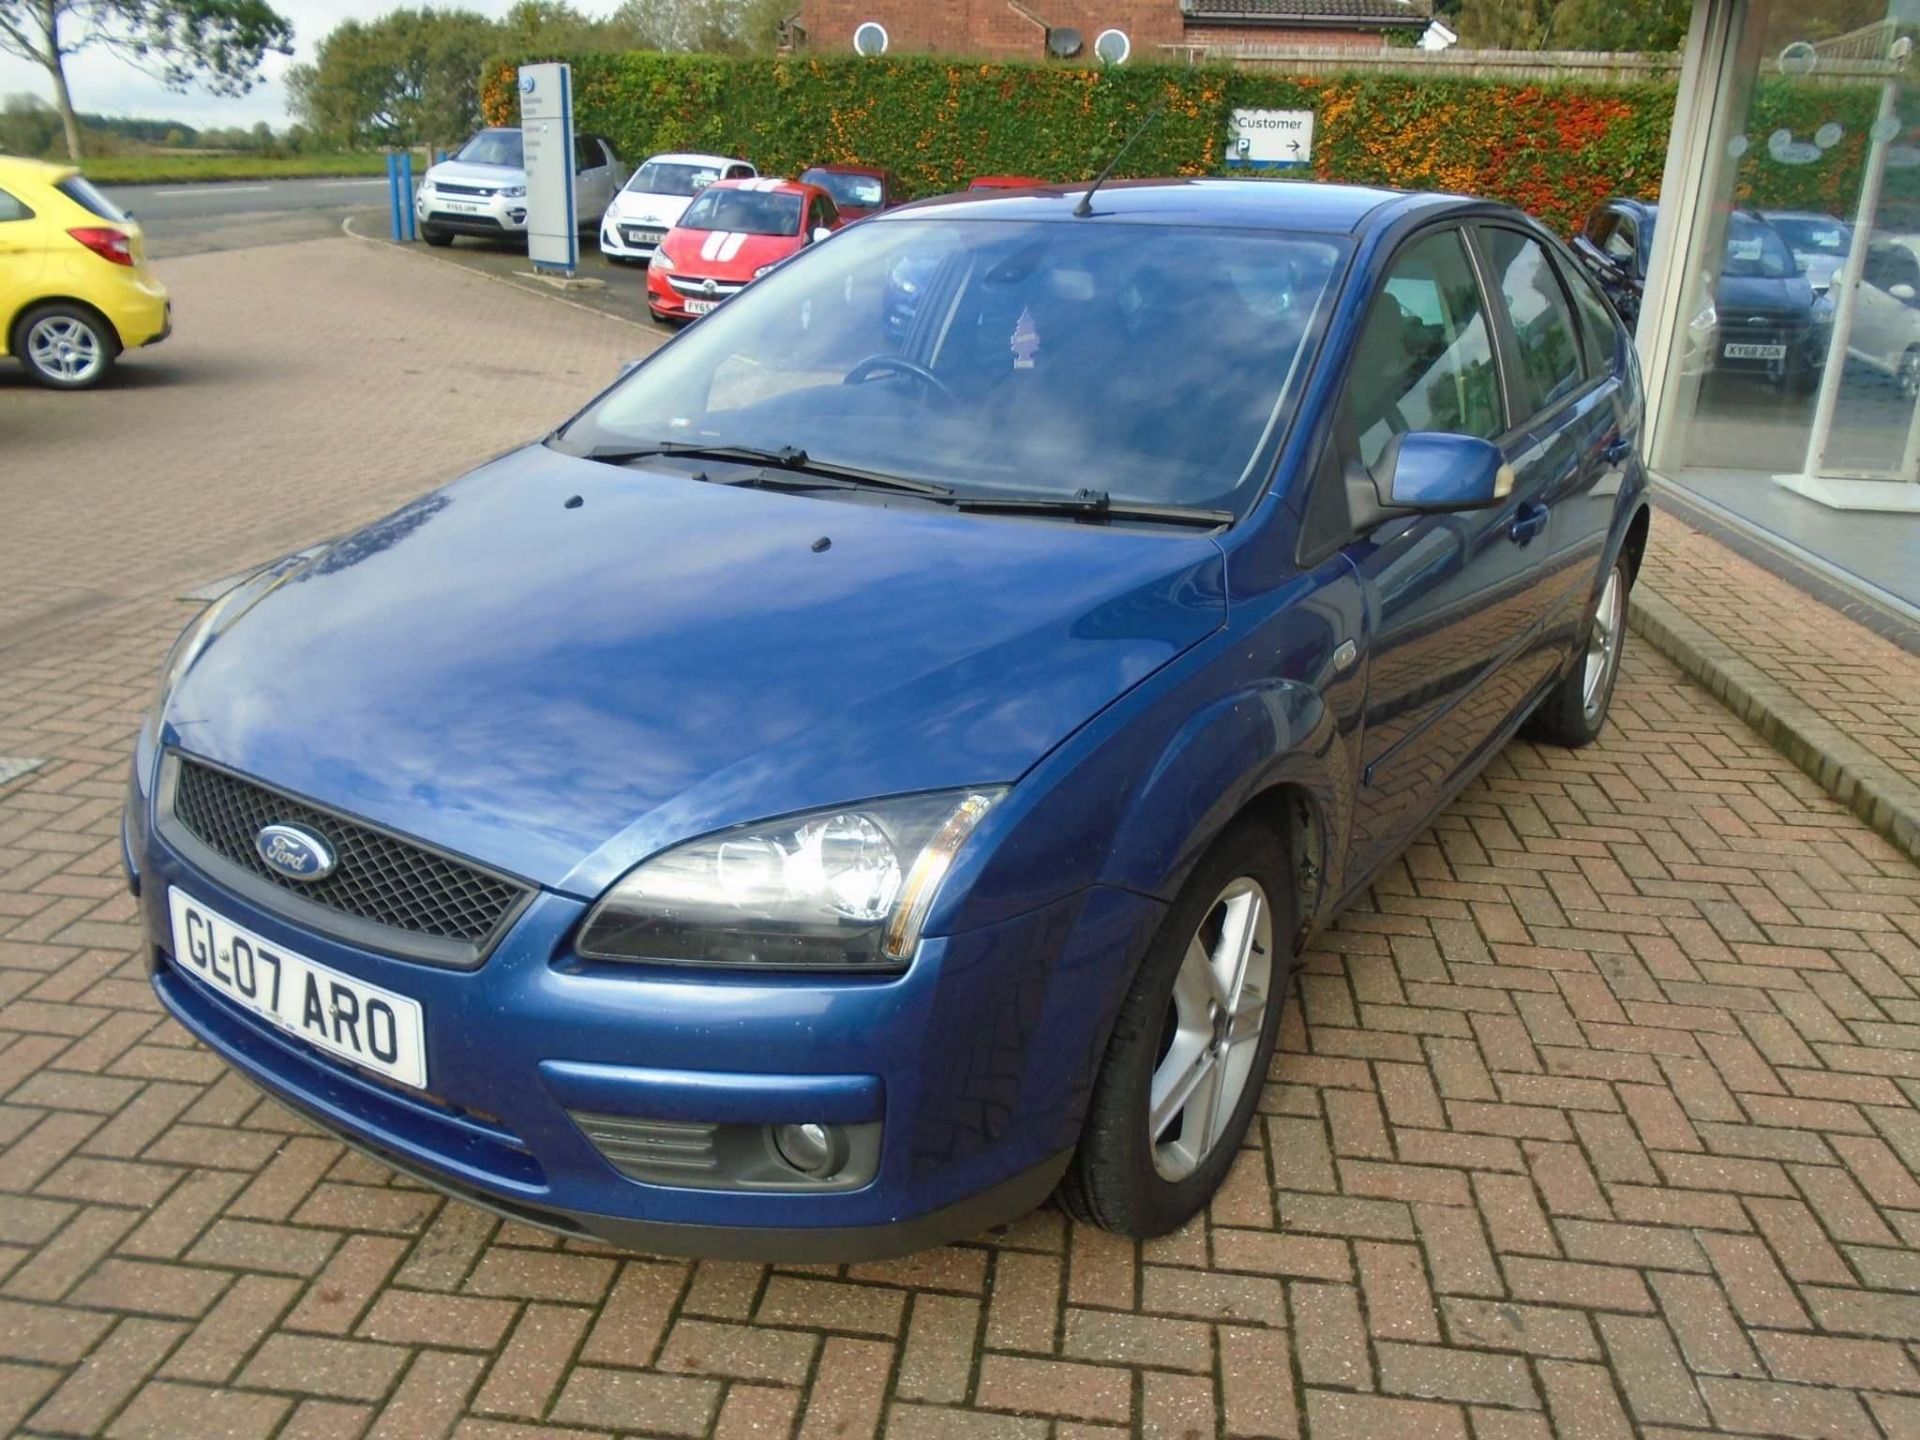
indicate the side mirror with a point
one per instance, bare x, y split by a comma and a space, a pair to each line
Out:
820, 232
1428, 472
1901, 291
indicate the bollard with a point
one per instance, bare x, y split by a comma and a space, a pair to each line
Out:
406, 194
393, 196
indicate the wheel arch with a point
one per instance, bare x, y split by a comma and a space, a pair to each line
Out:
1633, 544
12, 327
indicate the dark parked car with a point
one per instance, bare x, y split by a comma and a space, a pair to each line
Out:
831, 794
1762, 317
858, 190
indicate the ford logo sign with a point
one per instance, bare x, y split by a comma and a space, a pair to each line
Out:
294, 853
526, 84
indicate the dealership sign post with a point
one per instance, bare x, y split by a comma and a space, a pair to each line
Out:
546, 131
1270, 139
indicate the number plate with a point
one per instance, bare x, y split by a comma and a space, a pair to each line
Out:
700, 307
1755, 352
343, 1016
645, 237
463, 207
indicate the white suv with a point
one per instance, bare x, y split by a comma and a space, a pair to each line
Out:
482, 190
655, 199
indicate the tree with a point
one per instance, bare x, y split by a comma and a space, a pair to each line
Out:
403, 79
1609, 25
217, 43
1505, 24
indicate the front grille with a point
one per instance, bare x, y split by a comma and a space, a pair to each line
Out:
377, 877
445, 189
696, 288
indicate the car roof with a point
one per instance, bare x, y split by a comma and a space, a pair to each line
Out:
768, 184
694, 157
1245, 204
1806, 215
873, 170
47, 172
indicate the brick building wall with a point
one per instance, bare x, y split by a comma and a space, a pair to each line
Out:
1006, 31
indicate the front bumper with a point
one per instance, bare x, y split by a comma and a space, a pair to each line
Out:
670, 300
615, 245
976, 1064
474, 215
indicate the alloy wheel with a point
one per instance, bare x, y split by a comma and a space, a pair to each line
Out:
66, 348
1211, 1034
1603, 646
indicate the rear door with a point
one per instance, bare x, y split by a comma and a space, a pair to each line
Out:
1454, 598
22, 255
1566, 446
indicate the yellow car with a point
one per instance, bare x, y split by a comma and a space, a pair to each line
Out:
75, 290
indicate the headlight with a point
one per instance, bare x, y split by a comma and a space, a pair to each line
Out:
765, 270
1707, 318
426, 185
660, 261
842, 889
512, 192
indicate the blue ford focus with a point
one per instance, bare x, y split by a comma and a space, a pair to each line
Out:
874, 768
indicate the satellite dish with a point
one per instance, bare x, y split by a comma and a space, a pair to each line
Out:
870, 38
1113, 47
1799, 58
1064, 42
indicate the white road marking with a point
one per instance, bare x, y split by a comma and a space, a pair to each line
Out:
216, 190
364, 180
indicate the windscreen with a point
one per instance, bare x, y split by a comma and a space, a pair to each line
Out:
1153, 363
494, 147
863, 192
1756, 251
745, 212
83, 193
672, 177
1815, 239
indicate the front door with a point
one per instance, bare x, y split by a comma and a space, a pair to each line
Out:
1454, 598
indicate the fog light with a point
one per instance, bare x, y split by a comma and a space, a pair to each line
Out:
814, 1150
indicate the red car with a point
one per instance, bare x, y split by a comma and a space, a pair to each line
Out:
732, 234
857, 189
1003, 182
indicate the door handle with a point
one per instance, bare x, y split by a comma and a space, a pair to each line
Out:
1530, 520
1619, 450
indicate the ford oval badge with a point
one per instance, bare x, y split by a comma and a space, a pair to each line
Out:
294, 853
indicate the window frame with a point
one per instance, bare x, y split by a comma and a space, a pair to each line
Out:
1336, 456
1508, 338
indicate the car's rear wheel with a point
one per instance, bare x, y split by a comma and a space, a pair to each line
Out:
1190, 1050
435, 236
1907, 377
1575, 710
65, 347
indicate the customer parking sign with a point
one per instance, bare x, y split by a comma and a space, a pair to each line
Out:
1270, 139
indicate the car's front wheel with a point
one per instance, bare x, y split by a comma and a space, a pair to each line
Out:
1575, 710
435, 236
65, 347
1190, 1050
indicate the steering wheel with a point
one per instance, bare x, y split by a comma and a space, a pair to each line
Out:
898, 364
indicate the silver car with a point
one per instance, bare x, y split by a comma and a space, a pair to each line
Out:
482, 190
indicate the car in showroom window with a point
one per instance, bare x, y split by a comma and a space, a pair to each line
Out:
879, 766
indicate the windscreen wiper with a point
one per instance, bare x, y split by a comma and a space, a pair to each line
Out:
787, 458
1094, 505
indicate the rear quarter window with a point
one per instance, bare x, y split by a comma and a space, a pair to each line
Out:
12, 207
82, 192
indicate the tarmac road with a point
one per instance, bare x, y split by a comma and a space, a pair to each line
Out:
190, 218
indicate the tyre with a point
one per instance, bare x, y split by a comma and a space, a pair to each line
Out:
1907, 377
436, 237
65, 347
1574, 711
1189, 1052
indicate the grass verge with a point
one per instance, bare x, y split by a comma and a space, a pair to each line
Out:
163, 169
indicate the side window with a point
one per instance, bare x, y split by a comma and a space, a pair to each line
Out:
1599, 330
1623, 241
1600, 227
586, 155
825, 212
1425, 357
739, 172
13, 208
1543, 329
1888, 265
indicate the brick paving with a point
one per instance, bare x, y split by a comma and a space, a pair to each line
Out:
1597, 1118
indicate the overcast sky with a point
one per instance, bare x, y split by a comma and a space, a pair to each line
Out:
106, 86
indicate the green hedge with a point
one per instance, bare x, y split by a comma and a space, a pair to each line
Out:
1554, 150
